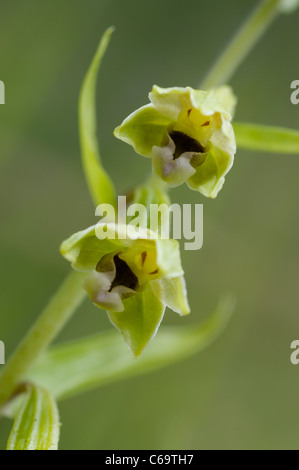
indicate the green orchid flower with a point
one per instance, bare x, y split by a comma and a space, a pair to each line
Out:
133, 277
188, 134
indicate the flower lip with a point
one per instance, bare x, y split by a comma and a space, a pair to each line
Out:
120, 275
112, 282
184, 143
124, 275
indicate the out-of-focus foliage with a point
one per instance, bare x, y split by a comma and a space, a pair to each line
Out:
233, 395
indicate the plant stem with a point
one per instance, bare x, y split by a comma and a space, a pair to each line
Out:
242, 43
59, 310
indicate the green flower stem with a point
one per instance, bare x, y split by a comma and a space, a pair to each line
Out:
47, 327
156, 183
242, 43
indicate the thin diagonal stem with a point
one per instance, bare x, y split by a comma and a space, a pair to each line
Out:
240, 46
46, 328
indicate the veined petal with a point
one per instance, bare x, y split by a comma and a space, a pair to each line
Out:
172, 101
224, 138
210, 175
143, 129
140, 320
84, 250
209, 178
173, 293
227, 98
169, 258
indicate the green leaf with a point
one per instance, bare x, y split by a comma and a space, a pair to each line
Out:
36, 425
99, 183
266, 138
85, 364
140, 320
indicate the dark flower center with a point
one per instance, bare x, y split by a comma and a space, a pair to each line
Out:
184, 143
124, 276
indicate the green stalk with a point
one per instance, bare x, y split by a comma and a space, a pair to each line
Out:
240, 46
47, 327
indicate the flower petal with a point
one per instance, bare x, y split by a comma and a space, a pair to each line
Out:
173, 171
169, 258
140, 320
143, 129
97, 286
173, 293
210, 175
227, 98
84, 250
172, 101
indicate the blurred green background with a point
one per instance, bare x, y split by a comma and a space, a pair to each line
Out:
242, 392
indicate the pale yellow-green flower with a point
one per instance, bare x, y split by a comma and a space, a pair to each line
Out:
133, 279
188, 134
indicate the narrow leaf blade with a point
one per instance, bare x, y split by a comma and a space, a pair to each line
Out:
36, 425
85, 364
267, 138
99, 183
